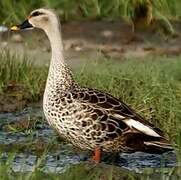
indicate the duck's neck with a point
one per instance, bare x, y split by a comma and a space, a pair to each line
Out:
55, 39
59, 77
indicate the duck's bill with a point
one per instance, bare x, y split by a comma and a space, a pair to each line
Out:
24, 25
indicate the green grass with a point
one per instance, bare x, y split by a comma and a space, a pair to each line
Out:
152, 86
13, 11
16, 70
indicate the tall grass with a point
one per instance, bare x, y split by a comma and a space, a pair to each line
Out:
13, 11
16, 70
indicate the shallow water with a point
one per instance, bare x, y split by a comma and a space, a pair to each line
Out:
58, 158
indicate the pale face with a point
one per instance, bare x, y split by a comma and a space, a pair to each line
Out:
42, 18
39, 18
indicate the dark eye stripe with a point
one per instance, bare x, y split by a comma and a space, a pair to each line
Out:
36, 13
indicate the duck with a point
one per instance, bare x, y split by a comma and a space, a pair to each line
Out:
90, 119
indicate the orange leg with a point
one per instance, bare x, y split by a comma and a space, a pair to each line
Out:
97, 155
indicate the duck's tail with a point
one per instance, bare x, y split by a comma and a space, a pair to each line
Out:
145, 143
159, 146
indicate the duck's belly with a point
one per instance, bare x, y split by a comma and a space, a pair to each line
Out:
67, 122
76, 126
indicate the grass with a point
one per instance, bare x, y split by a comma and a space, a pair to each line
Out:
151, 86
13, 11
16, 70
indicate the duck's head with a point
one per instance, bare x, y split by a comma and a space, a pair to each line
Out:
39, 18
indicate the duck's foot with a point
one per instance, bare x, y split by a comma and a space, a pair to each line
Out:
97, 155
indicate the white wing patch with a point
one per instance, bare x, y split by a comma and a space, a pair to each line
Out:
141, 127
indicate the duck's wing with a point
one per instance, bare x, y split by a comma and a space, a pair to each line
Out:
117, 120
115, 111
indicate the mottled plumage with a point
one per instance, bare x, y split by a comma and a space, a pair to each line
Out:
89, 118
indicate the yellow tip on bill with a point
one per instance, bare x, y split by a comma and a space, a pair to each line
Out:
15, 28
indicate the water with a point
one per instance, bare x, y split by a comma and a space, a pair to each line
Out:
57, 156
3, 28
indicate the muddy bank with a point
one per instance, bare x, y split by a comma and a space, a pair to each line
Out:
14, 97
17, 96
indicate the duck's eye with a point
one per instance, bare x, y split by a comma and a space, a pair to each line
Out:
36, 13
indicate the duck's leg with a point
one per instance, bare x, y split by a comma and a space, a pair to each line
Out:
97, 155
